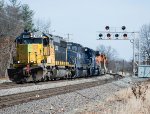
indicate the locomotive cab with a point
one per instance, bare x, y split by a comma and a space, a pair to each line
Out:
29, 49
101, 62
90, 61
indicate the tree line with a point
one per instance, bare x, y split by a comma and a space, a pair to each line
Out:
14, 18
114, 63
144, 40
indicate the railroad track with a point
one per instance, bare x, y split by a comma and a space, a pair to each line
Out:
8, 85
15, 99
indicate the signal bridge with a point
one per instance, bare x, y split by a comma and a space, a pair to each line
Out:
116, 35
121, 35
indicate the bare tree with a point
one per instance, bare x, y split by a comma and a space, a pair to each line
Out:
145, 44
43, 26
12, 24
108, 51
111, 55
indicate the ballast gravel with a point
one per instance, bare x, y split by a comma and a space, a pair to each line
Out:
68, 103
4, 81
16, 90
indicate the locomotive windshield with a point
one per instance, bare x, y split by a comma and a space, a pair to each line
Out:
30, 41
26, 35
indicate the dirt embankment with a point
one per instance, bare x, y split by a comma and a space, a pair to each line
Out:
133, 100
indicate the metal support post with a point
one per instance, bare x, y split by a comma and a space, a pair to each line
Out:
139, 53
133, 57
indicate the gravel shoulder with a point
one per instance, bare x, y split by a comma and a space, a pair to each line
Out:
72, 103
4, 80
16, 90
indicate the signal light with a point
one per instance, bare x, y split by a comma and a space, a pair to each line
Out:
100, 35
116, 35
125, 35
107, 27
123, 27
108, 35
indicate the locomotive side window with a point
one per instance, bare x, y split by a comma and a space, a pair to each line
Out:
19, 41
74, 48
45, 41
69, 47
51, 42
56, 48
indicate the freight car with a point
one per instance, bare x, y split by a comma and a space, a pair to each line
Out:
41, 56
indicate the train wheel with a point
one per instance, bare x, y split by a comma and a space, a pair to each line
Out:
47, 78
54, 79
34, 77
42, 79
53, 74
17, 79
24, 80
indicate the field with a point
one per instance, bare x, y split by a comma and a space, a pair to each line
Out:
132, 100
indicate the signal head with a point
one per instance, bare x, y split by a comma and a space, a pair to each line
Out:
125, 35
117, 35
108, 35
107, 27
100, 35
123, 27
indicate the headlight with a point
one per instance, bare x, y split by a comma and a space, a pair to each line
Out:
18, 61
32, 61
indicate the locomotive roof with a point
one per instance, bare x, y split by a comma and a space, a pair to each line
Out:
39, 34
76, 44
36, 34
58, 39
48, 35
88, 48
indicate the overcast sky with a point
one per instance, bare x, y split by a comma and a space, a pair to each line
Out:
83, 18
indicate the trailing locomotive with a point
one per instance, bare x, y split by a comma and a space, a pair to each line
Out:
41, 56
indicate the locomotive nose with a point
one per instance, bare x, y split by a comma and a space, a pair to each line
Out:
29, 53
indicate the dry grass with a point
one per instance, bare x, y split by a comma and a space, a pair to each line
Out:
135, 100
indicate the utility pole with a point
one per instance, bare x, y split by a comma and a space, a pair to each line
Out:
68, 37
123, 67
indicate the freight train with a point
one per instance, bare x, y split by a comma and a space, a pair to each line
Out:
41, 56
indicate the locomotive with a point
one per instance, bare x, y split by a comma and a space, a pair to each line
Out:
41, 56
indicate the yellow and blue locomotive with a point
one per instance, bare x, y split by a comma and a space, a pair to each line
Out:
41, 56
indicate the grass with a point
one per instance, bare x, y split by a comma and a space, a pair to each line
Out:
135, 100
